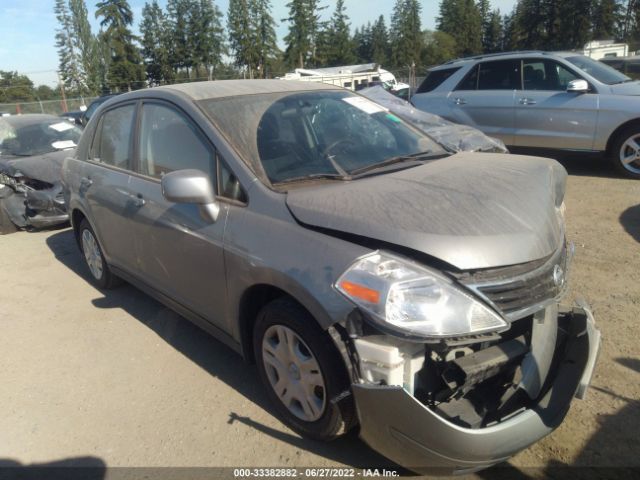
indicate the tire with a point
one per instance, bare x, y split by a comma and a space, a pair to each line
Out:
99, 271
6, 225
321, 418
623, 147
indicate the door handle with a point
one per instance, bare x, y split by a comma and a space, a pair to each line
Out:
85, 182
459, 101
139, 200
527, 101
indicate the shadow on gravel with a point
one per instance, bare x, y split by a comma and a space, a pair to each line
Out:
80, 468
213, 356
630, 220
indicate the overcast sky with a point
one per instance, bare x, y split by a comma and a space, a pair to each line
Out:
28, 27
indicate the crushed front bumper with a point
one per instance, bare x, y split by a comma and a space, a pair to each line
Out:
398, 426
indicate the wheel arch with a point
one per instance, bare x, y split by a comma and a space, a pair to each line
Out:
255, 297
616, 133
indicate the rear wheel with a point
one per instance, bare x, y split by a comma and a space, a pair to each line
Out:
625, 153
302, 371
101, 274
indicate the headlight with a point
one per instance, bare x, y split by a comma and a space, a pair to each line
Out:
414, 300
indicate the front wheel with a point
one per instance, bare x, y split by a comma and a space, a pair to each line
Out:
302, 371
625, 153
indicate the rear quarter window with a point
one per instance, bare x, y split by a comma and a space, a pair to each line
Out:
435, 79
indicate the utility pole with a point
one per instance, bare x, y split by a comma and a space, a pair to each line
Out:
64, 98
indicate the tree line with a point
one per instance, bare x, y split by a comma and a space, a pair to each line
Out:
193, 39
469, 27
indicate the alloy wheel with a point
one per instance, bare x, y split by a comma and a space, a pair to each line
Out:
92, 254
630, 154
294, 373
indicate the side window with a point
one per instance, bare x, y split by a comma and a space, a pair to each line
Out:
545, 75
564, 75
112, 143
499, 75
169, 142
470, 82
435, 79
229, 186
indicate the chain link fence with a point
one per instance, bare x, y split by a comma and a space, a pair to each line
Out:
52, 107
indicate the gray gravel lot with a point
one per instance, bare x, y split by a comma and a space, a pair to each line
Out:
116, 377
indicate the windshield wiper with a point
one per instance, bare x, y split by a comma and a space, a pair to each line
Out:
314, 176
414, 157
622, 81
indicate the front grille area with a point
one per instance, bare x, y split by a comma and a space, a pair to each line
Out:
518, 289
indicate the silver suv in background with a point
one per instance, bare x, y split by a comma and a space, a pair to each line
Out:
541, 101
343, 251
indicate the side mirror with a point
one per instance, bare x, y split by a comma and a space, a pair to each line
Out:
578, 86
191, 186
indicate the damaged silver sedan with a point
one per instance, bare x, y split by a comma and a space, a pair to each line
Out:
376, 279
32, 149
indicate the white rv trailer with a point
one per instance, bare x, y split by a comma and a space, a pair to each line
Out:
352, 77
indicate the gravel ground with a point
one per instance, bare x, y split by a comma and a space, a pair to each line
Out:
114, 378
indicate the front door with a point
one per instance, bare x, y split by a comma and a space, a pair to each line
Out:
178, 252
547, 116
485, 98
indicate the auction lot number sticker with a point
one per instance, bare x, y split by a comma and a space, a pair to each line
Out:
312, 472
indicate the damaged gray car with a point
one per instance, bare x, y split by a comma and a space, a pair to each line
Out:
377, 280
32, 149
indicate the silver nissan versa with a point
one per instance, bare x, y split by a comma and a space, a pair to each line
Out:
376, 279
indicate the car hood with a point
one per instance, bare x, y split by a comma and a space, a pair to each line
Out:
629, 88
47, 167
471, 210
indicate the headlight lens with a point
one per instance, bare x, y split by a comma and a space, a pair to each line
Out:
414, 300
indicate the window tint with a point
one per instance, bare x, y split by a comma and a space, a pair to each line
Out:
229, 185
470, 82
435, 79
546, 75
113, 144
169, 142
499, 75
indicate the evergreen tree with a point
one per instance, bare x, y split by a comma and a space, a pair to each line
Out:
462, 20
380, 50
493, 35
266, 43
484, 8
206, 36
242, 36
406, 33
70, 65
126, 71
178, 34
85, 45
155, 52
304, 30
439, 47
341, 47
575, 22
605, 18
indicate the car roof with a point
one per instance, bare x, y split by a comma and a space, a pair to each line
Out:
459, 62
231, 88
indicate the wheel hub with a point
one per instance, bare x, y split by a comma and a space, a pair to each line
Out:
294, 373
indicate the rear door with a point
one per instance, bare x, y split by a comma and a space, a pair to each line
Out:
485, 98
547, 116
106, 183
178, 252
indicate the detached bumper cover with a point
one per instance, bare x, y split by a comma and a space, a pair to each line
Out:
398, 426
